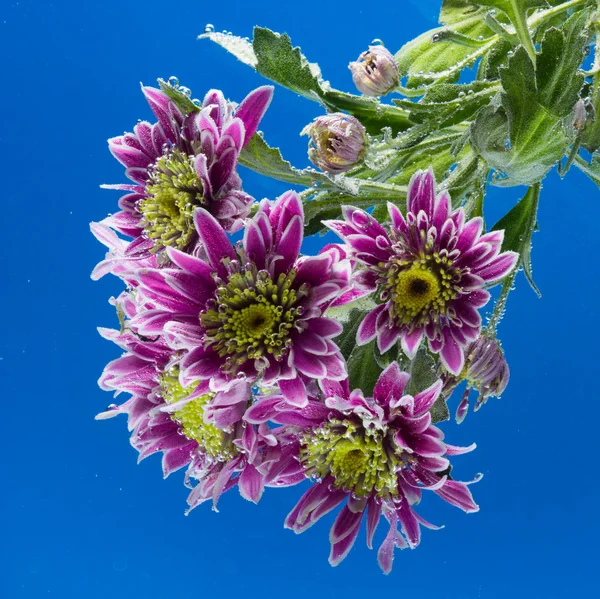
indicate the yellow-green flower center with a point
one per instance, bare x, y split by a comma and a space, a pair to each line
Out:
212, 441
252, 318
415, 289
173, 192
360, 460
420, 289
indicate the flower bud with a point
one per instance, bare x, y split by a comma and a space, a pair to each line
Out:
580, 115
337, 142
486, 368
375, 73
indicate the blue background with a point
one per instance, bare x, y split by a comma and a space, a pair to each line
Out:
79, 518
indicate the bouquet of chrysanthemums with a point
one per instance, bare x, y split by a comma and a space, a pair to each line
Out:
252, 365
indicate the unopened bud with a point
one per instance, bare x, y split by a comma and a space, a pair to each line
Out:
580, 115
337, 142
375, 73
486, 368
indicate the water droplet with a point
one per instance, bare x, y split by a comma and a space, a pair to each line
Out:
376, 42
196, 102
173, 81
185, 90
209, 28
436, 37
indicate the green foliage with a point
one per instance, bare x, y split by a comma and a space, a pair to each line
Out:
346, 341
274, 57
363, 368
516, 11
260, 157
439, 55
591, 169
515, 118
178, 97
531, 130
518, 225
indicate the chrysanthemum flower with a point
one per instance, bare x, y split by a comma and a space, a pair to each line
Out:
377, 455
191, 426
429, 270
251, 311
182, 162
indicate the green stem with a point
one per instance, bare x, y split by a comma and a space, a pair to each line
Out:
542, 16
500, 305
584, 166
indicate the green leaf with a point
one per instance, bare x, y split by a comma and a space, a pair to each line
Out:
390, 356
518, 225
516, 11
456, 11
284, 64
260, 157
363, 368
531, 131
179, 98
559, 80
422, 370
439, 410
492, 61
346, 341
241, 48
442, 53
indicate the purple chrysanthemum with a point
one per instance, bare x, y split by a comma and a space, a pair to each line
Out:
251, 311
191, 426
375, 454
429, 271
181, 162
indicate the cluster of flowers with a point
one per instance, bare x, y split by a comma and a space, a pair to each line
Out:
231, 359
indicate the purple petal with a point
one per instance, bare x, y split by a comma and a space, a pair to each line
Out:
411, 341
294, 392
253, 108
425, 399
452, 354
251, 484
367, 329
458, 494
214, 239
390, 384
343, 534
373, 517
421, 193
499, 268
